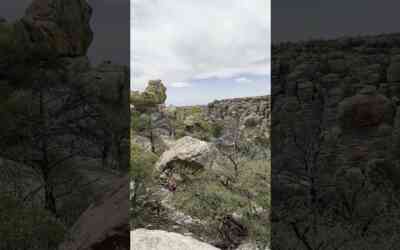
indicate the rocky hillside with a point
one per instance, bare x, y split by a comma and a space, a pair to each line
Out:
200, 165
251, 115
59, 32
336, 112
65, 126
253, 111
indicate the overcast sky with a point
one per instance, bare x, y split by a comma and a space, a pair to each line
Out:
212, 49
202, 50
111, 27
11, 10
305, 19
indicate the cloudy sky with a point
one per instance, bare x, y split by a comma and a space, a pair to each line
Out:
302, 20
202, 50
111, 28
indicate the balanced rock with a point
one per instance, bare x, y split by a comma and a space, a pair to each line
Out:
153, 95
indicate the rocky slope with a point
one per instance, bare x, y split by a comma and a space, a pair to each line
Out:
250, 114
195, 153
253, 111
335, 107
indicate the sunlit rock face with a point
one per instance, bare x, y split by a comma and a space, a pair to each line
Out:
142, 239
190, 155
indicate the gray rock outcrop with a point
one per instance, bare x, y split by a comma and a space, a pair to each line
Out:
250, 246
151, 97
189, 154
142, 239
87, 106
336, 100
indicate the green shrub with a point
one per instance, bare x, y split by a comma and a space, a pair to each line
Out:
179, 133
212, 201
141, 123
256, 180
216, 129
141, 170
134, 120
206, 197
195, 110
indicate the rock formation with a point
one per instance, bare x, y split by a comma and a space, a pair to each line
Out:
252, 111
105, 224
142, 239
189, 155
62, 26
335, 105
153, 95
88, 114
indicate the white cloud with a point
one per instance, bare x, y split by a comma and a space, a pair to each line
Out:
180, 84
178, 41
256, 69
243, 80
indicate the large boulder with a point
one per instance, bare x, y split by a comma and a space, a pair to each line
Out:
365, 110
189, 156
252, 120
142, 239
105, 224
62, 26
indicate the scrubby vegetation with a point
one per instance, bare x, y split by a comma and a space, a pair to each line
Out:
141, 170
246, 197
220, 194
